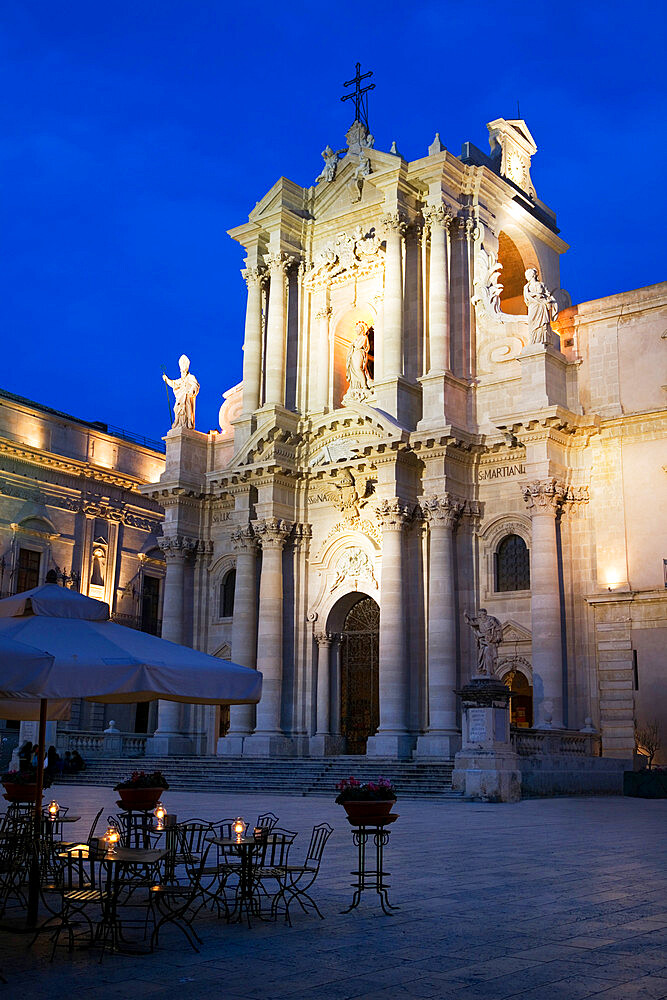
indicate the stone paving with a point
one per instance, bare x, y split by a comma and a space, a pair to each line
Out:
552, 899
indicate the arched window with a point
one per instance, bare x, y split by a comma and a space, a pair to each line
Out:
227, 588
512, 564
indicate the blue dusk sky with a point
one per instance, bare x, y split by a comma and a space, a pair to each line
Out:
135, 134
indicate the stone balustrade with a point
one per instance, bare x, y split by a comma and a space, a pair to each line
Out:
102, 744
561, 743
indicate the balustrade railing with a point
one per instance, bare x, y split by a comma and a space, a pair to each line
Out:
557, 742
153, 626
110, 744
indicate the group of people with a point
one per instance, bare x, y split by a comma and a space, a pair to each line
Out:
54, 764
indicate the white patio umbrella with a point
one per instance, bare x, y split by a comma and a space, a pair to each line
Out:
93, 658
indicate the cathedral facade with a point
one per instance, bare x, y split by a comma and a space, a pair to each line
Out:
426, 426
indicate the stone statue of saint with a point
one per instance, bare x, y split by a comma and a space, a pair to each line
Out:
330, 164
356, 366
489, 634
542, 308
185, 392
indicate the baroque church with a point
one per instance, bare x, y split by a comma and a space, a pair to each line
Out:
409, 445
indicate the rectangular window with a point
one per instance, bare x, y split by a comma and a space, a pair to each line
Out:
28, 575
150, 605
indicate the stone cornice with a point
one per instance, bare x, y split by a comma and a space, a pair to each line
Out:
68, 466
554, 422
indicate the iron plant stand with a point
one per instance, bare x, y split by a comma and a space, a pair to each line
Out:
369, 878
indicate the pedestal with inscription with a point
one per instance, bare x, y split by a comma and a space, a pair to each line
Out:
486, 767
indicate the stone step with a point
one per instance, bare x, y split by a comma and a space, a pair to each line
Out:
412, 779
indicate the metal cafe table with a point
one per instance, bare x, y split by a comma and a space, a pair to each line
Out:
371, 878
249, 851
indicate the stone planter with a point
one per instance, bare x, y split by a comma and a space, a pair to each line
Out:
140, 798
20, 793
645, 784
368, 811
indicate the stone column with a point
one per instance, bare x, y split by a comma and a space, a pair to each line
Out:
438, 218
244, 635
442, 738
393, 738
322, 359
252, 345
394, 229
324, 643
268, 738
274, 365
178, 550
544, 499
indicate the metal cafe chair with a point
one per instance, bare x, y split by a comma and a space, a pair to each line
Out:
179, 902
16, 852
84, 887
297, 880
91, 833
267, 821
272, 860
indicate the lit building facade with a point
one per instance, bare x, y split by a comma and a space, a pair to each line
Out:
70, 502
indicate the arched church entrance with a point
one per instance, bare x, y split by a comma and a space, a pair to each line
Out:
521, 699
360, 700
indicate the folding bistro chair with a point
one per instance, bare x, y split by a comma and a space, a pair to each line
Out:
179, 903
296, 880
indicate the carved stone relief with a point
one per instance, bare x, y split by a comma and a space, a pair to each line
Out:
352, 566
347, 256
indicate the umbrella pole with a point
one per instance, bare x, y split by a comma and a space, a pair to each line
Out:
33, 885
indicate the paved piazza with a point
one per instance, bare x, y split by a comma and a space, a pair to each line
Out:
554, 899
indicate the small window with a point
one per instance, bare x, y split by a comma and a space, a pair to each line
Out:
512, 564
227, 588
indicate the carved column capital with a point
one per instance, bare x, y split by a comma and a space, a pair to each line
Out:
393, 514
442, 511
254, 276
301, 535
544, 496
279, 261
323, 639
243, 539
272, 532
437, 216
393, 223
177, 547
324, 313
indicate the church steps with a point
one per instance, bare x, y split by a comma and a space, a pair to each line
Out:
285, 777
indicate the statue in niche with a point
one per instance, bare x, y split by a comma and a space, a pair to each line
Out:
542, 308
185, 393
330, 164
97, 576
489, 634
356, 366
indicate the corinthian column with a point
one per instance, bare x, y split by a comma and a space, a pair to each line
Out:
271, 534
279, 264
441, 739
394, 229
324, 643
244, 634
438, 219
178, 551
392, 737
544, 499
252, 344
322, 397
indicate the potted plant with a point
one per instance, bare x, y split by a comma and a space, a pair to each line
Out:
142, 790
21, 786
368, 801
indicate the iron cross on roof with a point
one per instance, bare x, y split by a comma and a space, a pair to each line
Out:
359, 98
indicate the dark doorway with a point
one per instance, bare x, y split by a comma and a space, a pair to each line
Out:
28, 570
360, 702
150, 606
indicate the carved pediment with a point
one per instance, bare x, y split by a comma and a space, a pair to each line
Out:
355, 254
348, 434
514, 632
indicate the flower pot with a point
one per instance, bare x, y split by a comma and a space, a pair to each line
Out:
20, 793
369, 810
140, 798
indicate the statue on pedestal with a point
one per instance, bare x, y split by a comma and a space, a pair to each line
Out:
185, 392
489, 634
542, 308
